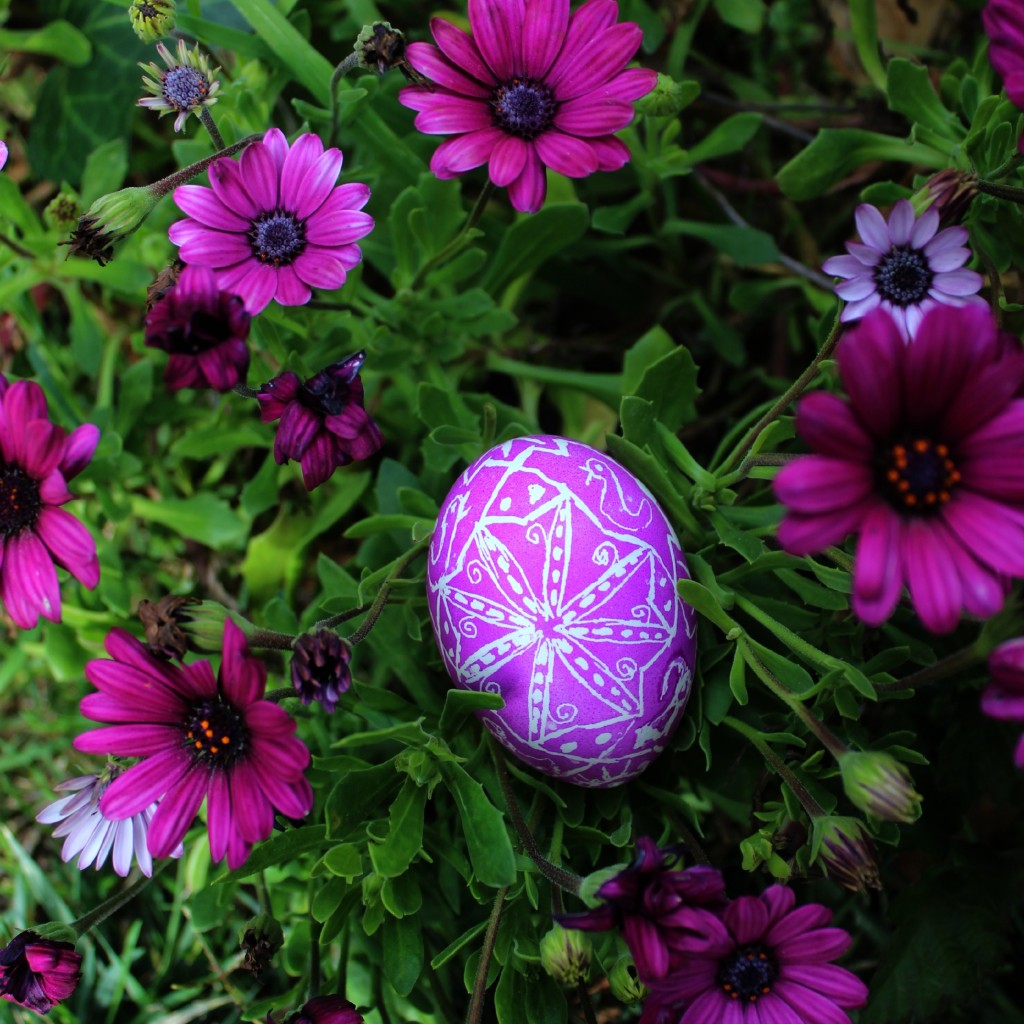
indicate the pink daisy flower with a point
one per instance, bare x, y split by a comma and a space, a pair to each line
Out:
199, 737
533, 87
38, 973
764, 961
905, 266
1004, 26
1004, 697
3, 154
273, 225
925, 462
37, 459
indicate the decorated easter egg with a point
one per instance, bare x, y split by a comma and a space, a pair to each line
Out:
551, 581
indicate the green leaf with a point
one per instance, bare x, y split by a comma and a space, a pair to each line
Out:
345, 860
738, 677
297, 56
670, 384
910, 93
358, 793
703, 600
533, 240
280, 848
402, 949
58, 39
837, 152
747, 247
490, 849
105, 170
864, 23
204, 518
405, 835
746, 15
728, 137
460, 704
463, 940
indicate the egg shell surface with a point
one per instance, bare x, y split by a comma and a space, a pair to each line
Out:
551, 581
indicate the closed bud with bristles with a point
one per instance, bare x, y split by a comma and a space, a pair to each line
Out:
667, 98
203, 626
151, 19
950, 192
261, 938
879, 785
845, 850
62, 212
110, 219
624, 982
163, 622
565, 954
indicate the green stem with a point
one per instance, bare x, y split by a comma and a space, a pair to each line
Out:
585, 1004
1008, 192
337, 620
476, 1001
17, 249
793, 392
245, 391
263, 893
777, 765
172, 181
315, 928
943, 669
110, 906
210, 125
269, 640
280, 694
459, 240
350, 62
1008, 165
385, 589
828, 739
562, 877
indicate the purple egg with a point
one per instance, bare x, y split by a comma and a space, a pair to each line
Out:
552, 582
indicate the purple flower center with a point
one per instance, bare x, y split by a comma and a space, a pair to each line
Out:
217, 732
748, 974
919, 475
523, 107
19, 500
903, 276
204, 330
324, 395
277, 237
185, 87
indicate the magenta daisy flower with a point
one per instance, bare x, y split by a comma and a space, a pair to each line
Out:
323, 422
652, 901
273, 225
925, 462
199, 737
1004, 26
905, 266
203, 329
91, 835
1004, 698
38, 973
37, 459
3, 154
532, 87
765, 960
324, 1010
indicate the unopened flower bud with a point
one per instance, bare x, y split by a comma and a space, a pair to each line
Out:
62, 212
261, 938
624, 982
320, 668
667, 98
151, 19
54, 931
878, 784
565, 954
163, 621
951, 192
110, 219
203, 626
846, 852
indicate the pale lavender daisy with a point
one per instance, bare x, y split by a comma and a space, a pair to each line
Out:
90, 835
904, 265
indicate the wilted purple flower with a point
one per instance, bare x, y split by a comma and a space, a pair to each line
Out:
652, 901
199, 737
204, 329
324, 1010
186, 85
37, 459
38, 973
925, 462
904, 267
1004, 697
320, 667
1004, 26
273, 225
323, 422
94, 836
533, 87
764, 961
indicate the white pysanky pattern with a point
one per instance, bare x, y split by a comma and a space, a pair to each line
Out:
552, 582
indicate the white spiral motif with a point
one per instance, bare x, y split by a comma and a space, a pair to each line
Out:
606, 553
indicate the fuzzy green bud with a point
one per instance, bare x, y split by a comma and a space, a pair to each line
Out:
845, 850
151, 19
951, 192
110, 219
878, 784
62, 212
668, 97
565, 954
625, 983
203, 625
261, 938
56, 932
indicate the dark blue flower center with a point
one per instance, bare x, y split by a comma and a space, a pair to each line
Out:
325, 395
277, 237
748, 974
216, 732
185, 87
903, 276
523, 107
19, 500
920, 476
